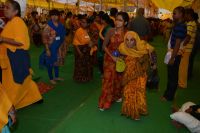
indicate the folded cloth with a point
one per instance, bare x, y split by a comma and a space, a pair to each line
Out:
167, 57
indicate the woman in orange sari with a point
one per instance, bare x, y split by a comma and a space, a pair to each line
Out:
134, 80
111, 85
15, 61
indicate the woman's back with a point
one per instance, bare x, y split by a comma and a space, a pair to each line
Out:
17, 30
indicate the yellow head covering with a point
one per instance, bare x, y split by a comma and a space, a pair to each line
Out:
142, 47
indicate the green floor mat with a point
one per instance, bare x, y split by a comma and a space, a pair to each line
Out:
72, 107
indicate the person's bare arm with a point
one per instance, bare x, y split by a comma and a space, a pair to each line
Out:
10, 41
187, 40
106, 42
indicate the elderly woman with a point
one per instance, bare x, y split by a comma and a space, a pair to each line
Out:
136, 54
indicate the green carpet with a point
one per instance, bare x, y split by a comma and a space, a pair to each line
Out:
72, 108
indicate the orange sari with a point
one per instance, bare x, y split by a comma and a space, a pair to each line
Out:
111, 85
134, 79
5, 105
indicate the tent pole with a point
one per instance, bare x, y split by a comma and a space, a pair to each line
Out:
78, 6
125, 5
94, 6
49, 5
101, 5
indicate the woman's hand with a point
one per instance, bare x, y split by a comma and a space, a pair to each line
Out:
114, 58
48, 53
91, 44
154, 67
171, 61
81, 54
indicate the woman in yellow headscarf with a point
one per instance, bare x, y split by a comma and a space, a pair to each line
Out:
136, 54
15, 61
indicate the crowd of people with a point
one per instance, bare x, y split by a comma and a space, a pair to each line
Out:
115, 43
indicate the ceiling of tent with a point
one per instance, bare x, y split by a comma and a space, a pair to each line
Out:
171, 4
166, 4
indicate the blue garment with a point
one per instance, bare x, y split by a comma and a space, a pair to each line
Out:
50, 72
54, 47
179, 31
6, 129
20, 64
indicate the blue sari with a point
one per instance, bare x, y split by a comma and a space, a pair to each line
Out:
46, 61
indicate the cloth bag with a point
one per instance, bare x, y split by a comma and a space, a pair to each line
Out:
120, 65
169, 52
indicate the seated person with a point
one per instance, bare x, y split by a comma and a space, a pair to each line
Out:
189, 116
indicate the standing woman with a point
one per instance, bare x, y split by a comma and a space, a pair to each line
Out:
112, 87
106, 22
53, 37
35, 29
83, 67
15, 60
94, 34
